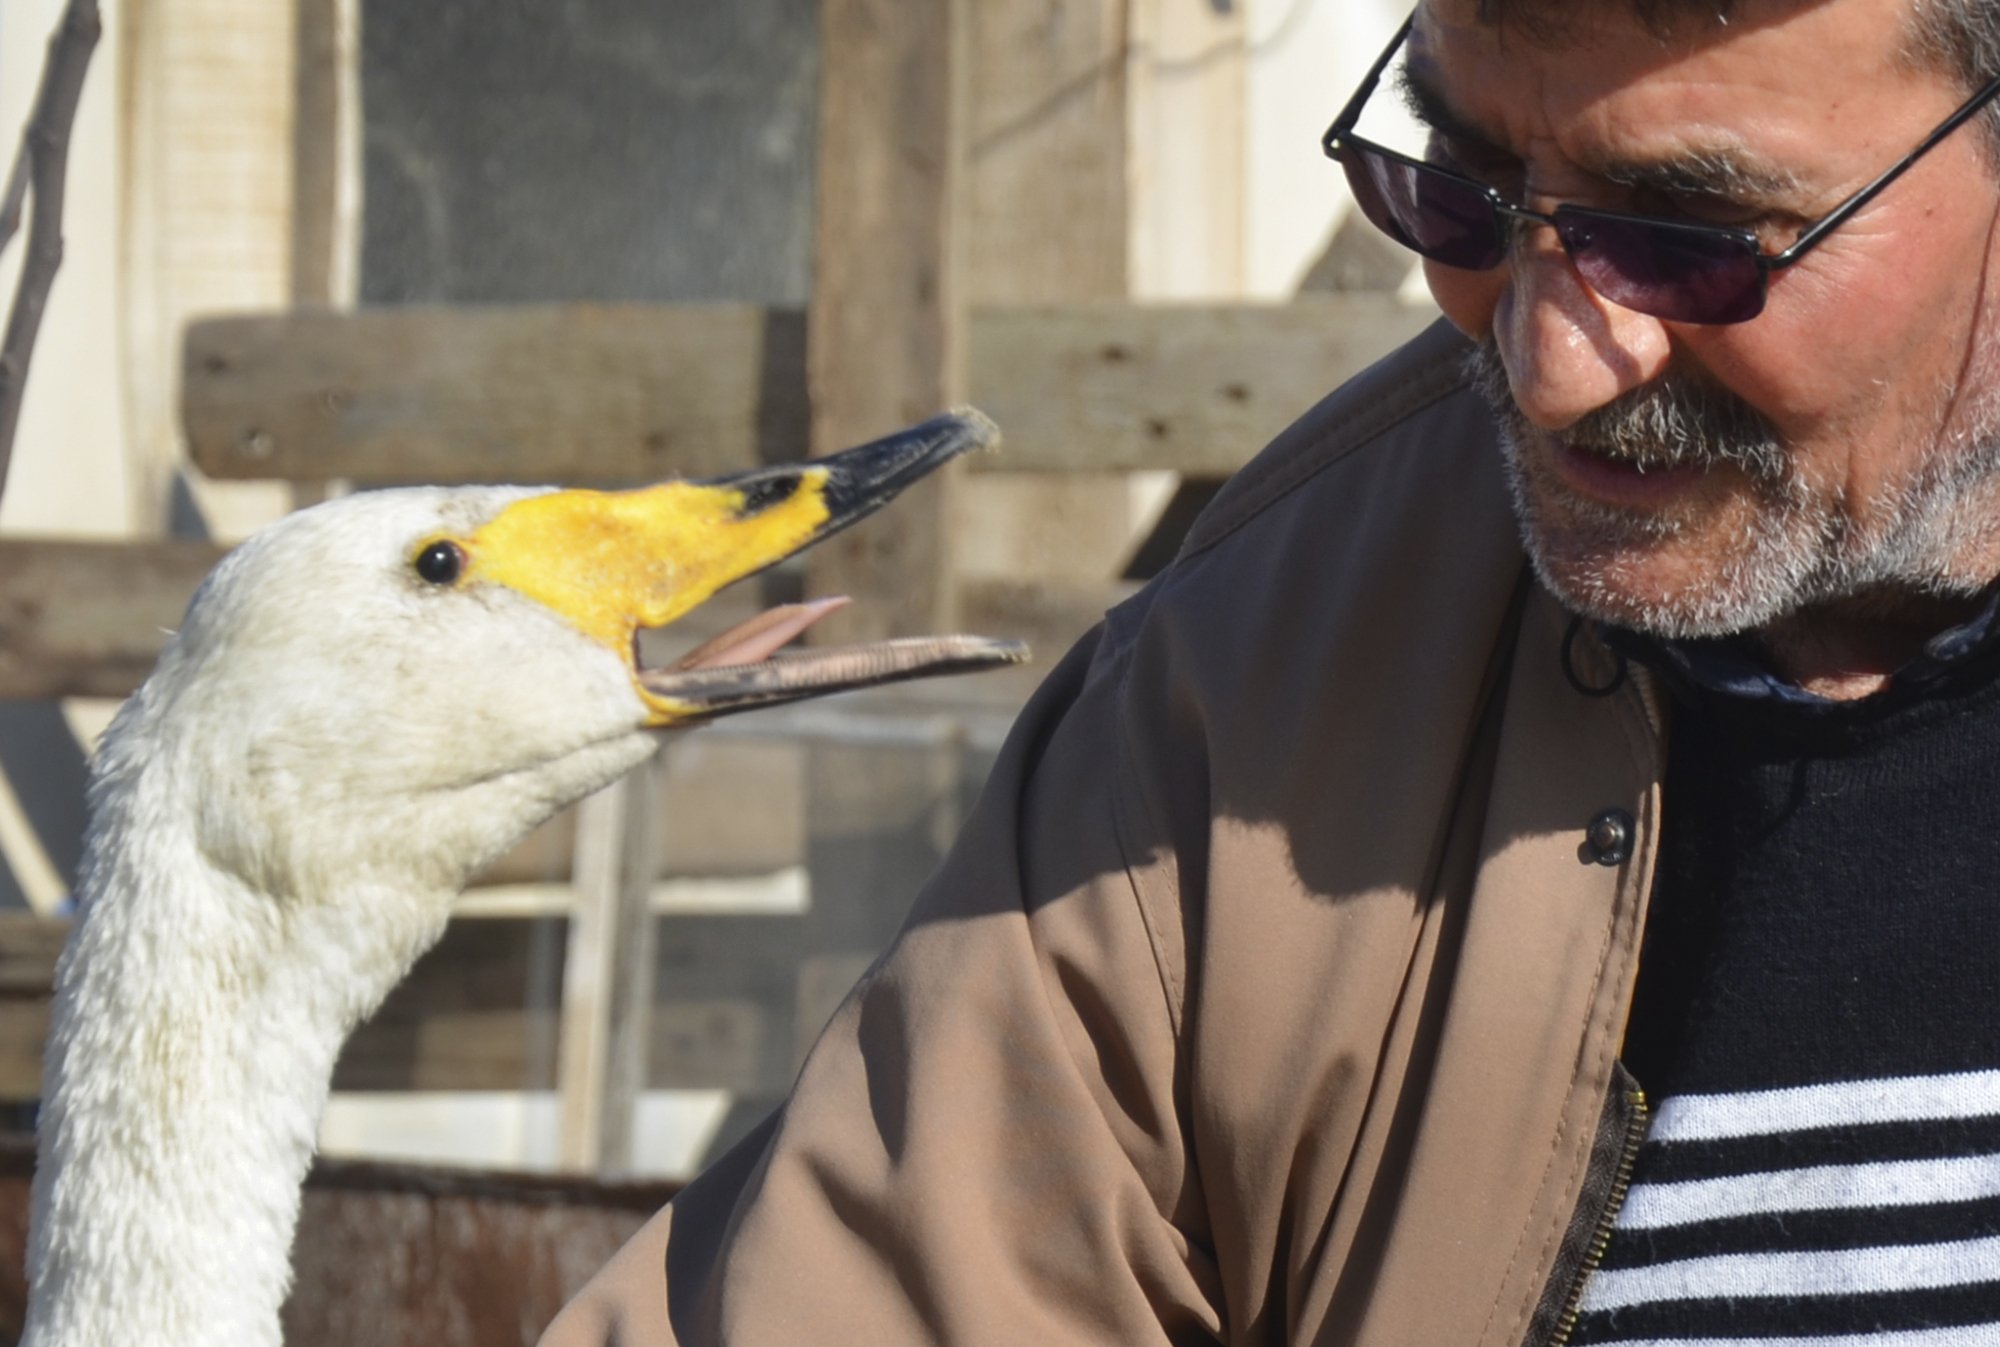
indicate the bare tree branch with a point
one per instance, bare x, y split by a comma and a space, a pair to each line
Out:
45, 153
15, 195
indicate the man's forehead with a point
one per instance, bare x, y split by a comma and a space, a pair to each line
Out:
1765, 53
1744, 109
1565, 22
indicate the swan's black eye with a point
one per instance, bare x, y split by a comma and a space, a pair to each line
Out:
441, 563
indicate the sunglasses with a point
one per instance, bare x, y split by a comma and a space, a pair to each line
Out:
1672, 269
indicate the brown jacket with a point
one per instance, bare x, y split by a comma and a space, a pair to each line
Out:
1271, 995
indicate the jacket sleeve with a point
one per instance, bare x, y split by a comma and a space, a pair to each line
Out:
986, 1145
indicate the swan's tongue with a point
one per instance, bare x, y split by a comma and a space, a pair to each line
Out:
746, 667
760, 637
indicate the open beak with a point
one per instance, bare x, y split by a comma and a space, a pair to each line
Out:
613, 563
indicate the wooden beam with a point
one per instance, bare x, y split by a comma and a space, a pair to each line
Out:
206, 113
1048, 195
1199, 389
326, 153
608, 974
885, 332
547, 393
1047, 222
574, 394
87, 619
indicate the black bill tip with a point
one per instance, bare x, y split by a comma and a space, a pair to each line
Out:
863, 479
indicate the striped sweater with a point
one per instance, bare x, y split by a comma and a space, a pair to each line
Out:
1817, 1025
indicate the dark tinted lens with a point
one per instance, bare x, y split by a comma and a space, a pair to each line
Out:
1434, 213
1682, 273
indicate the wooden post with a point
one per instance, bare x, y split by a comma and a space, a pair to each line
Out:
608, 974
326, 156
885, 347
208, 104
326, 169
885, 335
1048, 199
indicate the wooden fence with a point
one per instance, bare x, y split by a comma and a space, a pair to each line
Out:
904, 319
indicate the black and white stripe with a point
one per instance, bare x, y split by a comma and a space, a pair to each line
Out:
1825, 1214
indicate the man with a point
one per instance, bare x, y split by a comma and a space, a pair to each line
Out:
1278, 989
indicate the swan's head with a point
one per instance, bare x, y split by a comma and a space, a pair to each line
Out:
413, 678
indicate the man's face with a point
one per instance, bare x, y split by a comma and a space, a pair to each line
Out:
1698, 480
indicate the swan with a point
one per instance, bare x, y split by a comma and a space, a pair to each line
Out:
366, 703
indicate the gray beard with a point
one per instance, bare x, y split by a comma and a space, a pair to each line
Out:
1797, 551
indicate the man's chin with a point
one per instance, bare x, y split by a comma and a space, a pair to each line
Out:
1710, 562
1672, 584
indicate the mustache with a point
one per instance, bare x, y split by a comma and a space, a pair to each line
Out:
1674, 421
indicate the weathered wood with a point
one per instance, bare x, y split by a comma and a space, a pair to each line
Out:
577, 394
1199, 389
390, 1255
1045, 174
481, 1010
560, 393
207, 111
608, 976
326, 154
1047, 222
86, 619
1048, 614
885, 332
1189, 107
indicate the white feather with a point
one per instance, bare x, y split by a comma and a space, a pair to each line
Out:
327, 751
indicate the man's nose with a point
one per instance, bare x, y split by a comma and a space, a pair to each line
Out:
1567, 349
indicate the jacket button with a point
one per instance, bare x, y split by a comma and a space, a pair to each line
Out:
1608, 839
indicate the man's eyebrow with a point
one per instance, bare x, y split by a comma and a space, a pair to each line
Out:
1723, 170
1427, 103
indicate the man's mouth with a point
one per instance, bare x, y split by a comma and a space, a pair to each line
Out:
1620, 479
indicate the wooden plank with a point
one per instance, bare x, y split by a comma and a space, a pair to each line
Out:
1199, 389
480, 1011
1047, 222
399, 1254
571, 394
87, 619
205, 218
1189, 107
326, 153
885, 332
1045, 173
544, 393
608, 976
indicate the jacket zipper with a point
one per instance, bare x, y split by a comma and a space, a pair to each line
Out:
1621, 1131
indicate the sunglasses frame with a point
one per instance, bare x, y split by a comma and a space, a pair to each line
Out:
1340, 138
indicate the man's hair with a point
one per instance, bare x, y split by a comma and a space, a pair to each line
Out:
1960, 38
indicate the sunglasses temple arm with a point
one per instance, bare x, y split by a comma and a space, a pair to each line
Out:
1846, 209
1351, 114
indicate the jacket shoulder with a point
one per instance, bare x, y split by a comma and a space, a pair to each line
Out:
1392, 402
1375, 477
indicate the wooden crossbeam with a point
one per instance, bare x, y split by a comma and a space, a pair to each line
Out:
479, 1012
575, 393
86, 619
558, 393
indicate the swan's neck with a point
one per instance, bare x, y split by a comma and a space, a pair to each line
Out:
195, 1028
